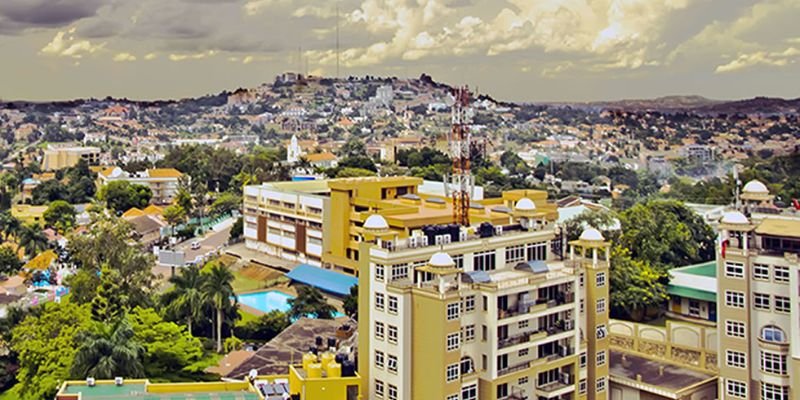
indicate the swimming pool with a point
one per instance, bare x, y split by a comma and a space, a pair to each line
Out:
270, 300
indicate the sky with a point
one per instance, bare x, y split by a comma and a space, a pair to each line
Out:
518, 50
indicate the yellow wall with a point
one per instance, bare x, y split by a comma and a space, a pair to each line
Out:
29, 214
194, 387
322, 388
429, 336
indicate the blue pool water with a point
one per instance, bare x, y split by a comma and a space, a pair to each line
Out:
269, 300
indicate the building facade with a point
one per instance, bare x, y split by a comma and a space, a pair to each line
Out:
163, 182
56, 158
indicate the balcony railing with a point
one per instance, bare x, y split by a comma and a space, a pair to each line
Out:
536, 306
514, 368
548, 389
554, 329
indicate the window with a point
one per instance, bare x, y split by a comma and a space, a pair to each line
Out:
601, 384
734, 270
392, 334
469, 392
774, 392
469, 333
773, 363
781, 274
601, 358
469, 304
380, 272
484, 261
583, 360
393, 304
537, 251
378, 388
392, 392
452, 311
773, 334
451, 372
392, 364
502, 391
601, 306
736, 388
522, 353
783, 304
761, 272
601, 279
761, 301
452, 397
601, 332
515, 253
399, 271
379, 301
694, 308
453, 341
736, 359
379, 330
734, 328
522, 381
734, 299
582, 386
379, 359
522, 324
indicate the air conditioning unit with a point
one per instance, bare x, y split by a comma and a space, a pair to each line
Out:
90, 382
498, 230
423, 241
119, 381
564, 378
412, 242
439, 239
446, 239
462, 235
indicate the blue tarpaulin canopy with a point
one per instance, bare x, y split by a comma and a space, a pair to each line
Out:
323, 279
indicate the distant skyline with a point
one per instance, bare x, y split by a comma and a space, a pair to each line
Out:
519, 50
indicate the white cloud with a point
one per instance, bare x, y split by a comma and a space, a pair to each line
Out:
191, 56
150, 56
64, 44
748, 60
124, 57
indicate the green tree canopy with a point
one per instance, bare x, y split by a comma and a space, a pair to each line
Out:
265, 327
186, 300
9, 261
174, 214
225, 203
635, 285
32, 239
310, 302
168, 347
351, 301
218, 290
121, 196
60, 215
108, 350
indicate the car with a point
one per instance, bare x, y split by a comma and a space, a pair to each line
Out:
195, 245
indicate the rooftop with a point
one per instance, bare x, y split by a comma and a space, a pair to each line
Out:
139, 389
780, 227
707, 269
654, 373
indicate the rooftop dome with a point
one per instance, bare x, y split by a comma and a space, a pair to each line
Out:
376, 222
592, 234
755, 186
734, 217
525, 204
442, 260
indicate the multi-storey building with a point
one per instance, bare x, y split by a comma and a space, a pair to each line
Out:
491, 311
56, 158
758, 275
163, 182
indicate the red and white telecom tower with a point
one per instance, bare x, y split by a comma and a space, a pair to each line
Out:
461, 180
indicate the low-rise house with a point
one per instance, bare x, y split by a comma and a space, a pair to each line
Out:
163, 182
147, 229
693, 293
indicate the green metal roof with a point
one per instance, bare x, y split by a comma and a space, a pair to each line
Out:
708, 269
690, 293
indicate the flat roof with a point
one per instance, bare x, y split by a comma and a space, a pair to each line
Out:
779, 227
324, 279
106, 391
674, 378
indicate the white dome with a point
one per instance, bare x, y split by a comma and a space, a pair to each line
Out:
755, 186
525, 204
593, 235
734, 217
376, 222
442, 260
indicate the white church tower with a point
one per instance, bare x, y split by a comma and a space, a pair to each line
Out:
293, 150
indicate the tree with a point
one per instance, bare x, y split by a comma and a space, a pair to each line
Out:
186, 299
237, 230
108, 350
32, 239
350, 172
600, 220
226, 203
46, 343
121, 196
174, 214
167, 346
60, 215
351, 301
109, 302
635, 285
265, 327
310, 302
218, 289
9, 225
9, 261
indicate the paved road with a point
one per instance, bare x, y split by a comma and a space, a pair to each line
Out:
208, 243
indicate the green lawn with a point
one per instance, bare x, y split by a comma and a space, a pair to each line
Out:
242, 283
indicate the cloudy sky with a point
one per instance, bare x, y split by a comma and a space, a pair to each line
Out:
533, 50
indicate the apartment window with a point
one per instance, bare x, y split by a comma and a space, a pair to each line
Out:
601, 358
736, 388
601, 384
392, 363
469, 304
601, 332
502, 391
523, 324
601, 279
522, 381
452, 311
773, 363
392, 392
781, 274
582, 386
469, 392
378, 388
734, 270
459, 260
379, 358
734, 299
761, 301
735, 329
379, 299
451, 372
783, 304
774, 392
522, 353
399, 271
453, 341
537, 251
485, 303
392, 334
379, 330
583, 360
380, 271
484, 261
581, 279
469, 333
452, 397
773, 334
393, 304
736, 359
515, 253
484, 332
761, 272
694, 308
601, 306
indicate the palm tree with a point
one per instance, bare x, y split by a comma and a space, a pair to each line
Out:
186, 299
218, 289
310, 302
32, 239
9, 225
108, 351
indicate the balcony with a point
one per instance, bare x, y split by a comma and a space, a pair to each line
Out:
565, 384
514, 368
536, 306
559, 327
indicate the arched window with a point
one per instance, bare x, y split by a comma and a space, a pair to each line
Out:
772, 333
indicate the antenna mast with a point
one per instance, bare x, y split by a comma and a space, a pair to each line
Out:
460, 144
